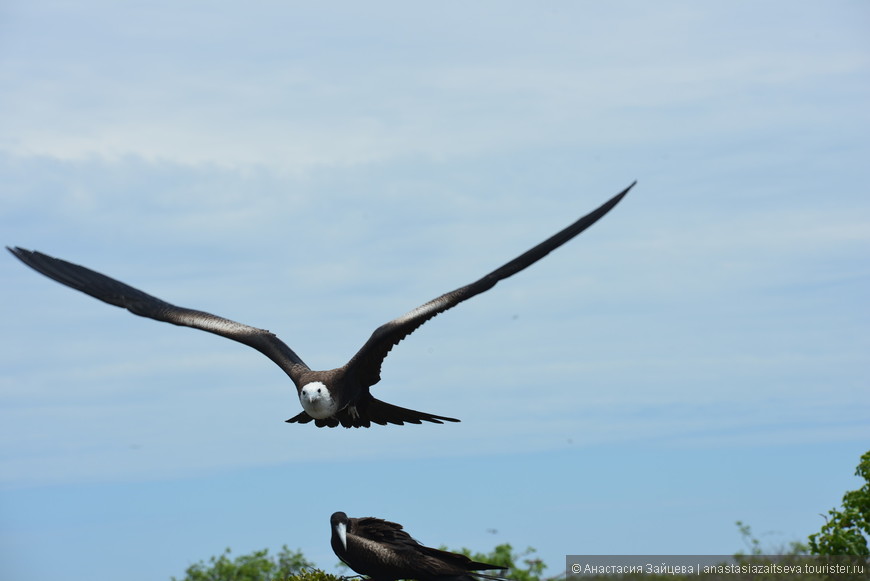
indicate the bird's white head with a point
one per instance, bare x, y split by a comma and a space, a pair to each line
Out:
317, 401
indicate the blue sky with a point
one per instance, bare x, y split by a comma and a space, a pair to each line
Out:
697, 357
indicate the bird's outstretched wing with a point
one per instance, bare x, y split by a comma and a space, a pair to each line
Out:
368, 411
367, 361
139, 303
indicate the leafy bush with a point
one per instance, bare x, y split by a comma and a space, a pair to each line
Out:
846, 531
257, 566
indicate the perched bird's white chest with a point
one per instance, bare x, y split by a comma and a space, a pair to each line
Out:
317, 401
341, 531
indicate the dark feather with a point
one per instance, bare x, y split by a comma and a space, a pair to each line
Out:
384, 551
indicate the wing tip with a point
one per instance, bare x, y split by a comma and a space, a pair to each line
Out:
19, 252
623, 193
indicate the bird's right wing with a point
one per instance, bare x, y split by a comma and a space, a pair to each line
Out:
139, 303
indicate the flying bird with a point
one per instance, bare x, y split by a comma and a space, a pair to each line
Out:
330, 398
383, 551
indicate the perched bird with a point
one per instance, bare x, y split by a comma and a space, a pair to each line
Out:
383, 551
335, 397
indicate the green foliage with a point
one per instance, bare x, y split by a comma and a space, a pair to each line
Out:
257, 566
846, 531
314, 575
520, 566
749, 540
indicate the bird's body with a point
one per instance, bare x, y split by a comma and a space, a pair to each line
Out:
385, 552
333, 397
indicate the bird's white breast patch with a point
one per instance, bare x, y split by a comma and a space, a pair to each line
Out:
341, 529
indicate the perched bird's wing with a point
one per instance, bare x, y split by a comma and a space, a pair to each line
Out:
379, 549
367, 361
386, 544
458, 560
381, 531
422, 558
139, 303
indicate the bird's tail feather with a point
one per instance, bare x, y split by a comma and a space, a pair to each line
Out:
383, 413
372, 411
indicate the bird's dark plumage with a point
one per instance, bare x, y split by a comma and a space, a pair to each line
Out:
385, 552
330, 398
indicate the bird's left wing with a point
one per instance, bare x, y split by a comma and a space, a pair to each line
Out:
367, 361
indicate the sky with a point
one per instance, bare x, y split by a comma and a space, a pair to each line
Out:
697, 357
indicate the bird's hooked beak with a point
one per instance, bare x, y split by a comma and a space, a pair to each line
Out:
341, 529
